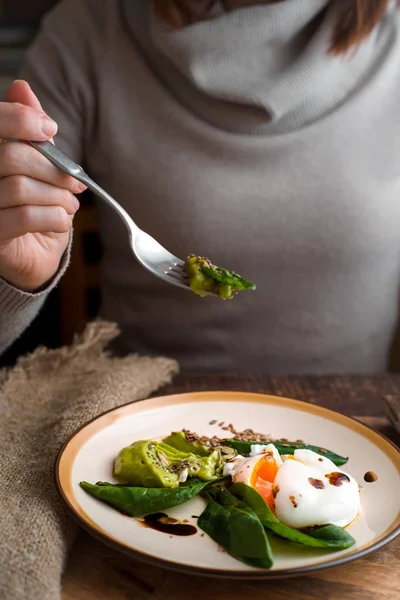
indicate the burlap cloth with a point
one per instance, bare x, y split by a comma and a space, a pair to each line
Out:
43, 400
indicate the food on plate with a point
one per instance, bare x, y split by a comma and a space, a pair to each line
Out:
370, 477
187, 442
153, 464
139, 501
240, 521
311, 490
205, 279
303, 490
287, 448
258, 471
289, 489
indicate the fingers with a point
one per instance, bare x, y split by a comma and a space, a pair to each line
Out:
21, 159
25, 123
16, 222
18, 191
22, 116
21, 92
35, 196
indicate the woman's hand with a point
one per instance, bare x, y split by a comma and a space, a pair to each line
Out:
37, 202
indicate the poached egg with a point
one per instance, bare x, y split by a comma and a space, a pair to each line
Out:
303, 490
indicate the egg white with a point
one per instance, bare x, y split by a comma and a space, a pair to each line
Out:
299, 503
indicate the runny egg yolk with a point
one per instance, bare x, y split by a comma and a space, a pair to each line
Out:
259, 471
263, 476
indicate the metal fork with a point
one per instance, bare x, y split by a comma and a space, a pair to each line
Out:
154, 257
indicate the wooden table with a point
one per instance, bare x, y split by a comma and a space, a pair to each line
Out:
96, 572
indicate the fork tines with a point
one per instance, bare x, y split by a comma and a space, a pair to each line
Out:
177, 272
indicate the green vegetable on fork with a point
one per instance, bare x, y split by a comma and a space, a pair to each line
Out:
207, 279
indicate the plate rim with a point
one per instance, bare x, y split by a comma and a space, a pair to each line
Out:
212, 395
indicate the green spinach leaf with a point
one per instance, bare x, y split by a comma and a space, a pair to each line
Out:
237, 528
287, 448
139, 501
227, 277
324, 536
254, 500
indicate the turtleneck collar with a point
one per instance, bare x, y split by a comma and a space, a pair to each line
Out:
260, 69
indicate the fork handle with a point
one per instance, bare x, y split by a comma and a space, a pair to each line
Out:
58, 158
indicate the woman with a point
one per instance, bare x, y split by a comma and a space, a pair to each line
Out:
265, 135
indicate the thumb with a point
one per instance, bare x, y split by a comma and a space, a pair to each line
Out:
21, 92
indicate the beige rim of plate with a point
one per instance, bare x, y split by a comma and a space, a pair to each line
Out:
109, 432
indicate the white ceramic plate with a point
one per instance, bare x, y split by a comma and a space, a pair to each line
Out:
90, 453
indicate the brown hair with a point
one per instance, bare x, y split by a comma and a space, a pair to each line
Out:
355, 19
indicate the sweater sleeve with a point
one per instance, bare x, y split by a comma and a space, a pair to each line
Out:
60, 66
18, 309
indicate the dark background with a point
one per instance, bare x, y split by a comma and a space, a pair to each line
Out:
24, 12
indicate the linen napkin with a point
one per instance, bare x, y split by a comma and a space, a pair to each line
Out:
43, 400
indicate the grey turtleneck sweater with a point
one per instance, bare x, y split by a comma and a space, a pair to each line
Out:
241, 139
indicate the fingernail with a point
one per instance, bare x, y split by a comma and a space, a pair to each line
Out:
49, 127
76, 204
81, 186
